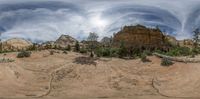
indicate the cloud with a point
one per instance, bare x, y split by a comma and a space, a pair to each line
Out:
46, 20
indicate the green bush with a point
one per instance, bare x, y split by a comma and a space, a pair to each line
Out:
147, 52
68, 48
179, 51
102, 52
196, 50
23, 54
83, 50
77, 47
65, 52
6, 60
144, 58
166, 62
51, 52
114, 52
107, 52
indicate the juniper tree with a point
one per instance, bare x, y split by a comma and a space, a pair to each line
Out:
92, 39
196, 37
77, 46
69, 47
1, 45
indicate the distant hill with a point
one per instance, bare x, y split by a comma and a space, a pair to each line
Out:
16, 44
65, 40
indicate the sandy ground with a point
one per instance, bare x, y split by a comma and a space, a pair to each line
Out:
57, 76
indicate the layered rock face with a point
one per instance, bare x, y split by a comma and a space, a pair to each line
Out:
139, 37
16, 44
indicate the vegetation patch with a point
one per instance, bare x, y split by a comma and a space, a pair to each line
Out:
144, 58
166, 62
65, 52
4, 60
23, 54
85, 61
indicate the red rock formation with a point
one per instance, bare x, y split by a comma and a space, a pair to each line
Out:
139, 37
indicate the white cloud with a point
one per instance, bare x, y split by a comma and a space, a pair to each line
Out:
101, 16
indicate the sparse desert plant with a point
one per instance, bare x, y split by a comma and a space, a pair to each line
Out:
23, 54
91, 54
144, 58
4, 60
77, 47
114, 52
147, 52
179, 51
192, 55
65, 52
85, 61
103, 52
122, 51
166, 62
92, 38
196, 50
83, 50
196, 37
68, 47
51, 52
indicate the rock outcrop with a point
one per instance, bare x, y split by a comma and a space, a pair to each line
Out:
186, 43
16, 44
139, 37
171, 40
65, 40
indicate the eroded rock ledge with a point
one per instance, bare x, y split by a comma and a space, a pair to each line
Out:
178, 59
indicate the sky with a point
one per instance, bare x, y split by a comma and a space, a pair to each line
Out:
46, 20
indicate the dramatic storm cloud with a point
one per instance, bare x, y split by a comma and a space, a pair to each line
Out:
44, 20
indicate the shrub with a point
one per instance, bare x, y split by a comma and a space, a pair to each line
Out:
65, 52
102, 52
179, 51
122, 51
23, 54
68, 48
166, 62
91, 54
83, 50
51, 52
107, 52
144, 58
85, 61
77, 47
114, 52
196, 50
147, 52
6, 60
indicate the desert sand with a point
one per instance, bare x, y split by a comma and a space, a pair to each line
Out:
59, 76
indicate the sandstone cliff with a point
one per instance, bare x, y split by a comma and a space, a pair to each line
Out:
139, 37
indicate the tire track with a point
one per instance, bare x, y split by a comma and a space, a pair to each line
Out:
52, 75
